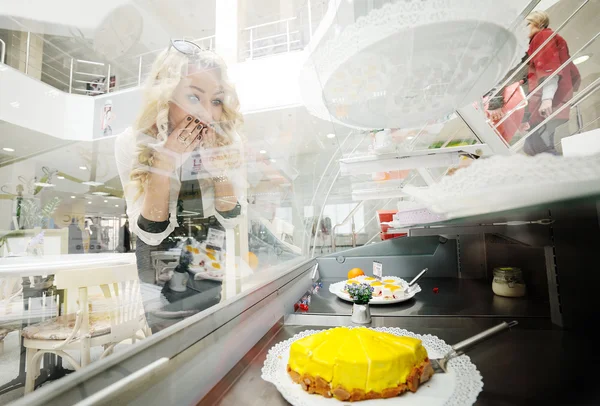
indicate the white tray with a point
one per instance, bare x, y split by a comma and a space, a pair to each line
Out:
338, 290
460, 386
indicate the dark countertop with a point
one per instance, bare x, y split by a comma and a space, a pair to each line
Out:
455, 297
525, 366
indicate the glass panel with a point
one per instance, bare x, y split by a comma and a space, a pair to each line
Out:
558, 74
158, 160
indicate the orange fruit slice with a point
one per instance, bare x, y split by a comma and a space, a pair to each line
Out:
355, 272
252, 260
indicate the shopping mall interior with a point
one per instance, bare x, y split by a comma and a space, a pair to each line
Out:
190, 191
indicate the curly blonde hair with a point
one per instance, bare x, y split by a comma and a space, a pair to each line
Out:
168, 69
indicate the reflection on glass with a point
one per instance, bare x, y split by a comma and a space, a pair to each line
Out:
533, 111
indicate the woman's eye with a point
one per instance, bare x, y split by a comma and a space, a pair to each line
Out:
217, 102
193, 98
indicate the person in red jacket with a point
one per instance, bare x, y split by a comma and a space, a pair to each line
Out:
554, 92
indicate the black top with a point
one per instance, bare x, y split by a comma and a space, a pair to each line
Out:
189, 200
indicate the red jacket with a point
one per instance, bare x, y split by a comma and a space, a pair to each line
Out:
542, 65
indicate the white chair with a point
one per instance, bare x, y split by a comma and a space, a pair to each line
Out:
11, 306
117, 315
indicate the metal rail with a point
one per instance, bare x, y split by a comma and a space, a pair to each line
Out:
526, 62
3, 52
580, 97
348, 217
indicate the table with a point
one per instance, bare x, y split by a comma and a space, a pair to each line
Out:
531, 364
25, 267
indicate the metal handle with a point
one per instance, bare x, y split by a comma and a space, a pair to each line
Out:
103, 396
416, 278
463, 345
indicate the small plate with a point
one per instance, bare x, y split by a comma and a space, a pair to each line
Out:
409, 292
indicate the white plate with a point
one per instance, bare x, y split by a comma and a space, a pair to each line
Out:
338, 290
460, 386
199, 272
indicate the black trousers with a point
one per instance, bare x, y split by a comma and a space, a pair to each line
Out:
543, 139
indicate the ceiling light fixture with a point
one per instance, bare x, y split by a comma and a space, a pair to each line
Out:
90, 62
101, 193
331, 135
8, 149
72, 197
60, 177
15, 104
116, 205
83, 168
89, 202
273, 160
262, 151
581, 59
92, 183
106, 201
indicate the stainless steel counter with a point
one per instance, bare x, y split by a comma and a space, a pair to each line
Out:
528, 365
455, 297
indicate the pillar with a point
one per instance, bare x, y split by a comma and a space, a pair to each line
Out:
228, 23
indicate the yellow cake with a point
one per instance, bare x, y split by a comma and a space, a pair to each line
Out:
358, 364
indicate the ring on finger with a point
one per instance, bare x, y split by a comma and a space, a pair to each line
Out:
183, 137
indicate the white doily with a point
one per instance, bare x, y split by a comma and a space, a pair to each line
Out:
416, 216
460, 386
411, 61
508, 182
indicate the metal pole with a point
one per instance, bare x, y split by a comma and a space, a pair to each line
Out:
353, 233
539, 49
579, 119
553, 74
140, 72
309, 20
71, 77
27, 53
287, 34
108, 80
3, 53
348, 217
251, 44
578, 98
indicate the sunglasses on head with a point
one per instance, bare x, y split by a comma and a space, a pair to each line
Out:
186, 47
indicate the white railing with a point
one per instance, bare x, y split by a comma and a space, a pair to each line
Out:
73, 75
283, 35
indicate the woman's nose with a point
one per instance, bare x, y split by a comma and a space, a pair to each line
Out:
204, 112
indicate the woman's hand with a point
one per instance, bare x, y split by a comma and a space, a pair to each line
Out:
186, 136
496, 115
546, 108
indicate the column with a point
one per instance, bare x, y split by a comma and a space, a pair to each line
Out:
35, 43
228, 18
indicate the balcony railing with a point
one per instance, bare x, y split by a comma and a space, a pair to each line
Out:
68, 73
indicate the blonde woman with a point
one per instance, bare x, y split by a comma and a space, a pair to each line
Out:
179, 161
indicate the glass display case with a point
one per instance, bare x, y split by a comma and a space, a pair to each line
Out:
185, 185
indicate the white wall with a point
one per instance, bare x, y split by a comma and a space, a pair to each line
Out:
31, 104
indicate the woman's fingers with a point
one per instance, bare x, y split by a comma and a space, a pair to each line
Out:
183, 131
195, 137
